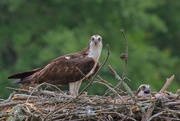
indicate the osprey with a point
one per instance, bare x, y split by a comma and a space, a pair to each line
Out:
144, 91
69, 69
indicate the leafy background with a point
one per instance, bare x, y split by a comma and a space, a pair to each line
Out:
33, 32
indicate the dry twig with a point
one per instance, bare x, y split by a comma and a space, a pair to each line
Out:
166, 85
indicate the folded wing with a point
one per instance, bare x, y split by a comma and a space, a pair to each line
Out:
60, 71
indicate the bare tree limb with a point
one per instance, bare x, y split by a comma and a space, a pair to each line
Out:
124, 56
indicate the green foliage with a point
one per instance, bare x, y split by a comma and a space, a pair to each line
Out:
34, 32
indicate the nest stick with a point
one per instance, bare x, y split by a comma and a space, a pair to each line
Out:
166, 85
110, 88
130, 92
156, 115
149, 111
9, 98
101, 79
6, 114
17, 89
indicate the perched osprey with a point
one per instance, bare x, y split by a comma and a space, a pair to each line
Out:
144, 91
69, 69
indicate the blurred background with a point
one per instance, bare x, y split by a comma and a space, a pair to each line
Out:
33, 32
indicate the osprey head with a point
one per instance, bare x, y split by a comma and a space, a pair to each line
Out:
96, 40
143, 90
95, 47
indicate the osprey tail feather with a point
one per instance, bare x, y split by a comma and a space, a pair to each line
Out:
24, 77
22, 81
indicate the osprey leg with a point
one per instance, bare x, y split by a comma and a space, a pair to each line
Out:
74, 87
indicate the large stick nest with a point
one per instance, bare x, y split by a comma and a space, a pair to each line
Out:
47, 102
42, 104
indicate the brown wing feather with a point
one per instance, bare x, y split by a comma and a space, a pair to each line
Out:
59, 71
63, 71
24, 74
52, 67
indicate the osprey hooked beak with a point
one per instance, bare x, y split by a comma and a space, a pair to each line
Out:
144, 90
96, 39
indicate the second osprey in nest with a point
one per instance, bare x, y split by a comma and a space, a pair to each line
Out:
69, 69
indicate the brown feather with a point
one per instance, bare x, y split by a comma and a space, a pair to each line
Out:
63, 71
24, 74
59, 71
